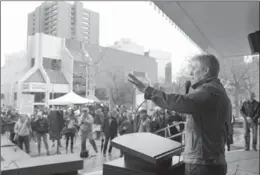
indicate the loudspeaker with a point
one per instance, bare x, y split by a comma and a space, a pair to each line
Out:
253, 39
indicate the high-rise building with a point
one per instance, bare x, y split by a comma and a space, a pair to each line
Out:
65, 20
168, 73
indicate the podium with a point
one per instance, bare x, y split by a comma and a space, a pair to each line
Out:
146, 154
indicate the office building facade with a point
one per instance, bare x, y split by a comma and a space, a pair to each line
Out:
65, 20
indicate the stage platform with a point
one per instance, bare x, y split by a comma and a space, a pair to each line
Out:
239, 161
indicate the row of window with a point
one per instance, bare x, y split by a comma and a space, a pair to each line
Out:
52, 29
51, 7
50, 20
54, 33
40, 97
51, 13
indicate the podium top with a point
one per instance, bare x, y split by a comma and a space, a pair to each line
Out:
147, 146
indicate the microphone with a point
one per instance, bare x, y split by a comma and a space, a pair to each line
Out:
187, 86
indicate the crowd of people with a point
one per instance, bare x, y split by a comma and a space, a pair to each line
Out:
94, 122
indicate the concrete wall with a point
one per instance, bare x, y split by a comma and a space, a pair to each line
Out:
51, 46
17, 64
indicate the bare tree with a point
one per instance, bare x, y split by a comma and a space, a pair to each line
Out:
240, 78
121, 92
86, 79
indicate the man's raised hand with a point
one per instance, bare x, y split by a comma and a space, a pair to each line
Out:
138, 84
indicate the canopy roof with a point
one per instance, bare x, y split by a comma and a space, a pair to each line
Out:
70, 98
218, 27
93, 98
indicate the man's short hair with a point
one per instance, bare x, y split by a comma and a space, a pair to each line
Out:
143, 111
209, 61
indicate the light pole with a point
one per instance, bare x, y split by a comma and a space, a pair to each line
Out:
89, 64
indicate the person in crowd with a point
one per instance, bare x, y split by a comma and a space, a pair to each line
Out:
250, 110
155, 122
144, 124
230, 137
114, 113
98, 121
136, 121
13, 117
22, 130
86, 124
110, 128
208, 110
70, 129
42, 129
126, 127
33, 125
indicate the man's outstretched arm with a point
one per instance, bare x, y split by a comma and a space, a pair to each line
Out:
190, 103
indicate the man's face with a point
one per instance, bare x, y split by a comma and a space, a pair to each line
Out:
142, 114
198, 71
39, 114
252, 96
114, 109
23, 118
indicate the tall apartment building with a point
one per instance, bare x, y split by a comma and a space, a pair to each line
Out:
65, 20
168, 73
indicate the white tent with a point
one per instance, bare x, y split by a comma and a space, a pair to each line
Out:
93, 98
70, 98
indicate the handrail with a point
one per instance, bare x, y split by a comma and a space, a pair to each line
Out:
168, 127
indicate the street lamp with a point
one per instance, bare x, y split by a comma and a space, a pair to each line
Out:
89, 64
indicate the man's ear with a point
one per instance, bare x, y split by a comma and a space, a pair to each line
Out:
206, 70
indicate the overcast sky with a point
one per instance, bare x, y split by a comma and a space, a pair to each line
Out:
138, 21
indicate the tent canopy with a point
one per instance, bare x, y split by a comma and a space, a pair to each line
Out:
93, 98
70, 98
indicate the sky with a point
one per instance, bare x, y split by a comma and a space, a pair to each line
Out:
136, 20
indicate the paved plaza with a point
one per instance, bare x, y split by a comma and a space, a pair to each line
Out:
95, 161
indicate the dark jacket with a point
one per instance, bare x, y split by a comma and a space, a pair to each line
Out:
71, 125
155, 124
136, 123
99, 118
210, 111
42, 126
251, 109
110, 130
126, 127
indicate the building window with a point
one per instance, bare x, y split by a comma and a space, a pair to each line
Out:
39, 97
51, 64
54, 12
56, 95
86, 20
85, 23
32, 62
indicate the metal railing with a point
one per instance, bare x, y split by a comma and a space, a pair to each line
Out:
167, 132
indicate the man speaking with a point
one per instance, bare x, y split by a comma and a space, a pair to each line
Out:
210, 112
